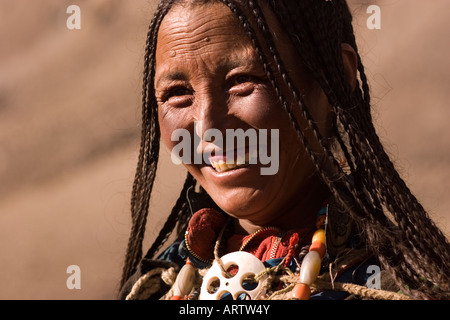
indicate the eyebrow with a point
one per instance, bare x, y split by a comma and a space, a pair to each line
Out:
169, 76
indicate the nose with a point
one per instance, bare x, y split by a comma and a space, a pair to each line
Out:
211, 113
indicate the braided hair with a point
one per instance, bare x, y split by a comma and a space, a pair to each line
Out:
395, 226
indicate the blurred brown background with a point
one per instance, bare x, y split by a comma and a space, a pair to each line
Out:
69, 130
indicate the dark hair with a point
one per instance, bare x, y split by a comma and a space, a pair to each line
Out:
393, 223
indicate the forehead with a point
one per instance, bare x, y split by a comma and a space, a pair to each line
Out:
200, 30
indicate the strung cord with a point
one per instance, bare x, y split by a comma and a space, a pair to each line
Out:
216, 249
150, 283
324, 282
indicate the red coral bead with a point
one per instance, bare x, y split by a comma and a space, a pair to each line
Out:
301, 291
319, 247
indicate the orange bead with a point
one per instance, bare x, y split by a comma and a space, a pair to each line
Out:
319, 235
177, 298
301, 291
319, 247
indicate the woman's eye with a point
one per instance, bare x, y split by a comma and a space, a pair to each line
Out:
176, 92
242, 85
242, 79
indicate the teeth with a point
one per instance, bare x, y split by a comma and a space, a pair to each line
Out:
229, 166
241, 160
222, 166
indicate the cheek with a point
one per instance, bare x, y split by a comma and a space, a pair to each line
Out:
176, 119
169, 121
261, 110
166, 133
264, 111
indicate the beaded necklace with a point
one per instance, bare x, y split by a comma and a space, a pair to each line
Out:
310, 267
312, 262
309, 270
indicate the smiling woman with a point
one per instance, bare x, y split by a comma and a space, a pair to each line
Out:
221, 84
290, 68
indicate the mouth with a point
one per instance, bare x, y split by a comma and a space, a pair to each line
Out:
223, 164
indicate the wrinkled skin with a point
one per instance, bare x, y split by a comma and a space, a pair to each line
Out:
207, 70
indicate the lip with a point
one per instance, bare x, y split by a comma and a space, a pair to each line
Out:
234, 160
231, 177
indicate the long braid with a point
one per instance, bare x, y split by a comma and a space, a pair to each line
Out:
353, 134
416, 218
309, 122
378, 149
329, 176
149, 151
442, 244
283, 74
397, 192
181, 209
332, 186
379, 228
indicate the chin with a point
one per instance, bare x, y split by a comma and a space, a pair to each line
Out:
242, 205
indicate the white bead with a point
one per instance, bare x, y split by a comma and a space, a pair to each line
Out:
185, 281
248, 265
310, 268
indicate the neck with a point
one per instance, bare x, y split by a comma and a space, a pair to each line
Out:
299, 213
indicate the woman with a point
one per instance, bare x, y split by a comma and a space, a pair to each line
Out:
290, 72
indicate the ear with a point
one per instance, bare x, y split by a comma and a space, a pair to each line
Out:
350, 61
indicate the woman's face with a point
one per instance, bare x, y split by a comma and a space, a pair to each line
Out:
208, 76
